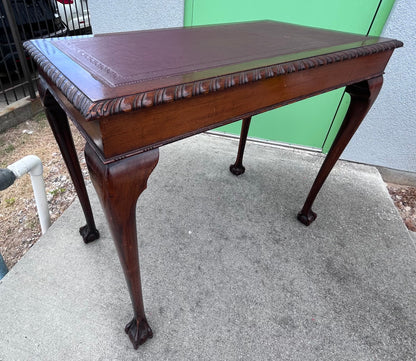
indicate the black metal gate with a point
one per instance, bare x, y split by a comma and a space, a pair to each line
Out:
22, 20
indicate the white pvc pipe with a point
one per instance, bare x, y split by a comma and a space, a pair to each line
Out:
33, 165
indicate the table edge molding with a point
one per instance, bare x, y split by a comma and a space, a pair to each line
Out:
91, 110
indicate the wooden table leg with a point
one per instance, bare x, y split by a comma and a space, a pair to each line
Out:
237, 168
58, 122
119, 185
363, 95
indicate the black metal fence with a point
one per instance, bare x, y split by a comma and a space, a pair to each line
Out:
22, 20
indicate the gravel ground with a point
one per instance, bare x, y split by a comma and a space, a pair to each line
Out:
404, 198
19, 225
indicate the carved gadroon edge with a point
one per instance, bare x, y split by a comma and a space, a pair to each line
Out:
102, 108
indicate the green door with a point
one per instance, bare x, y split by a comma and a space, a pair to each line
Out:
315, 121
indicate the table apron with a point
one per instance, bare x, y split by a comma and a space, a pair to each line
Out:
129, 133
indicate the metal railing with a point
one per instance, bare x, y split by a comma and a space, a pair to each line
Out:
21, 20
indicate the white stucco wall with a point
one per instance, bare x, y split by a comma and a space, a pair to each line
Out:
128, 15
387, 136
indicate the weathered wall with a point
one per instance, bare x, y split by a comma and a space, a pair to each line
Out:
387, 136
127, 15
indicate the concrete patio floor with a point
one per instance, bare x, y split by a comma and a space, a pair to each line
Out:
228, 272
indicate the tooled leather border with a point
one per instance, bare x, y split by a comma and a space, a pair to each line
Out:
94, 110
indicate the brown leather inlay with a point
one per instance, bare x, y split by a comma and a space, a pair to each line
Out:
134, 57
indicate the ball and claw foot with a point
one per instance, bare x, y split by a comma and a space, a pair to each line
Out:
89, 235
138, 332
307, 218
237, 169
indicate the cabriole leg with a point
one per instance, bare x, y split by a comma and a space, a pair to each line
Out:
58, 122
237, 168
119, 185
363, 95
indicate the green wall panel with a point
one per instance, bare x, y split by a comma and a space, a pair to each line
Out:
348, 15
313, 122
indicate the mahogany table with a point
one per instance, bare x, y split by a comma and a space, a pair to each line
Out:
130, 93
